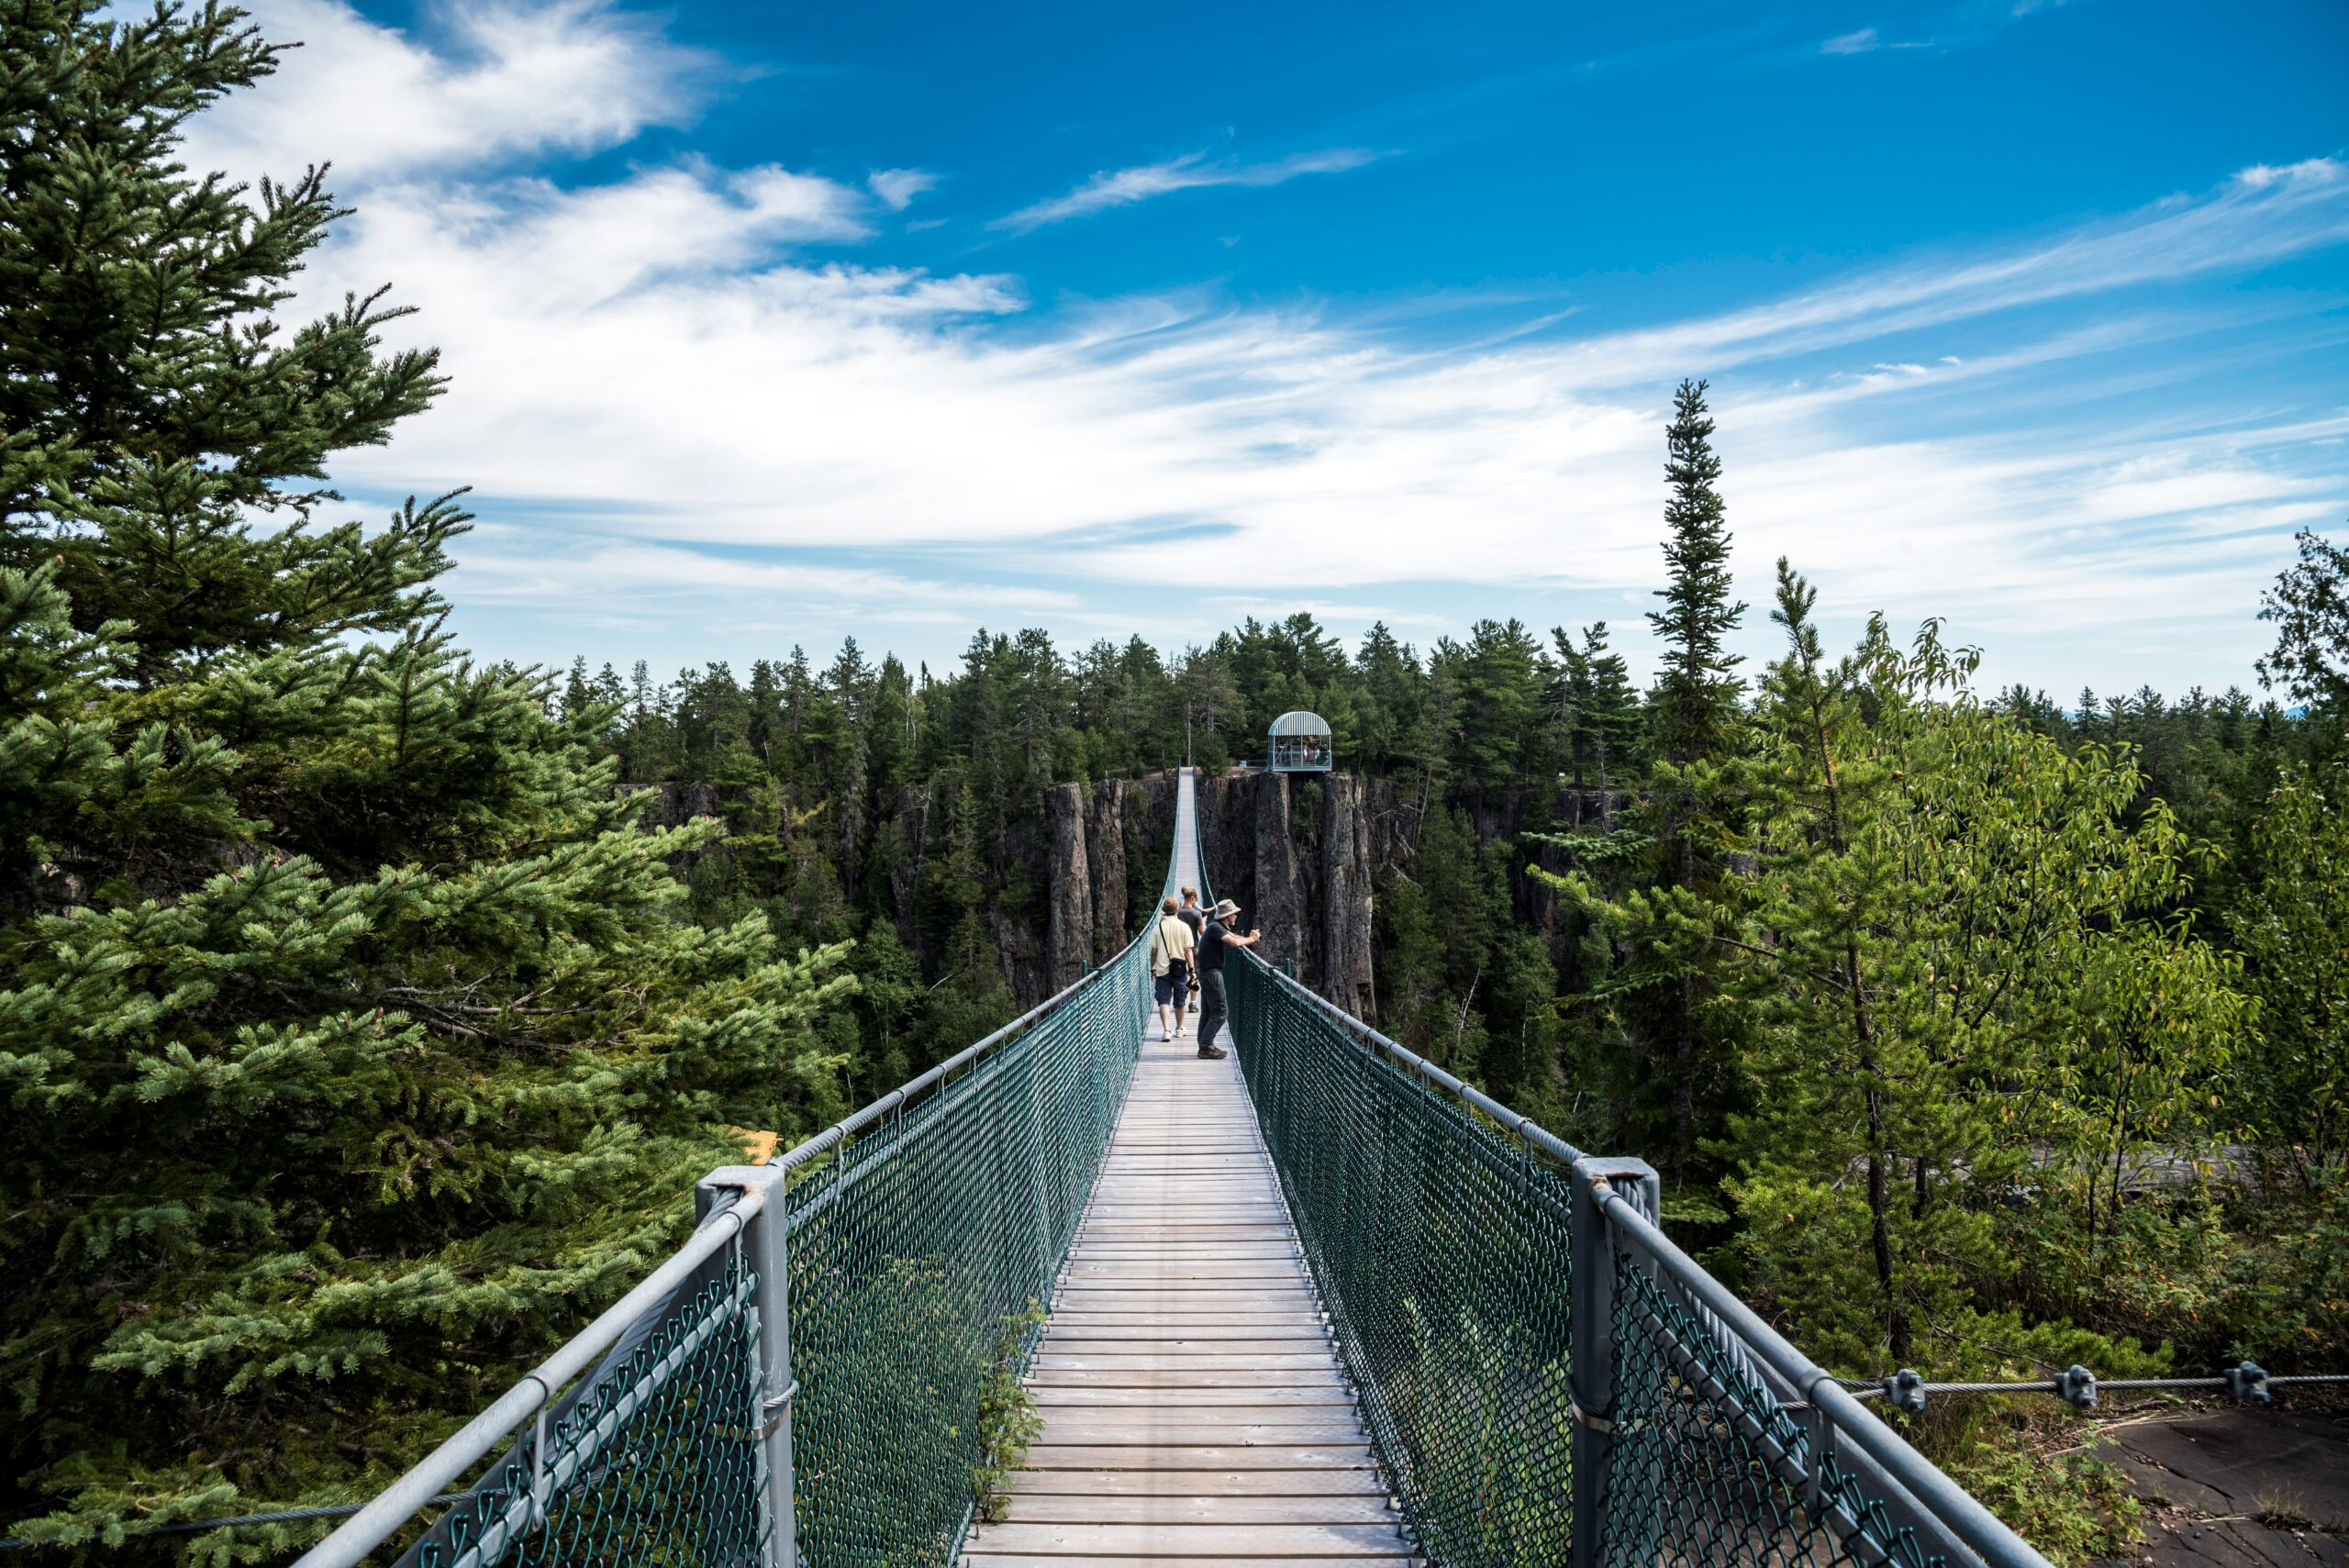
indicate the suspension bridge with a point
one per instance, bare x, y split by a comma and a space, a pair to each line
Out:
1079, 1298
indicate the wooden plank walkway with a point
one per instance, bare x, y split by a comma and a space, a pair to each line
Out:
1192, 1402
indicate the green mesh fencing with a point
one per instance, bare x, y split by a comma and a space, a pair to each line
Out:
1710, 1466
1441, 1254
915, 1249
652, 1463
1440, 1236
920, 1234
1438, 1230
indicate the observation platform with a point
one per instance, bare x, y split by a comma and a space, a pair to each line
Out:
1192, 1400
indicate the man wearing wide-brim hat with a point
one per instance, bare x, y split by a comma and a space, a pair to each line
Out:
1218, 936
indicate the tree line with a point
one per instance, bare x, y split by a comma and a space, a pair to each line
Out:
365, 1009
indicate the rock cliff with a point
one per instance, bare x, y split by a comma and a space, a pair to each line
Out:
1298, 852
1293, 850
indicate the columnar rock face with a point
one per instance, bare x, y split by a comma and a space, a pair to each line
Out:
1105, 817
1278, 908
1295, 852
1068, 931
1345, 898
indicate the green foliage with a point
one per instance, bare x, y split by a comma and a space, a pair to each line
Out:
1605, 731
2309, 607
2074, 1508
2293, 1085
1009, 1422
359, 1044
1956, 992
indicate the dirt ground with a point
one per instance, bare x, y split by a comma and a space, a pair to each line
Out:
2234, 1488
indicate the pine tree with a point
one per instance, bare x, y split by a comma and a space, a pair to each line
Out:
1599, 711
357, 1047
1697, 692
1698, 722
1500, 704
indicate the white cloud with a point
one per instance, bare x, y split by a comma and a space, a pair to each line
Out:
896, 188
513, 78
664, 361
1123, 188
1859, 43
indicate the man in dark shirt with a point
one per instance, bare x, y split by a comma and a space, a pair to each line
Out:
1213, 1008
1191, 915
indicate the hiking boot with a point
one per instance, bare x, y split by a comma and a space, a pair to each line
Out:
1212, 1054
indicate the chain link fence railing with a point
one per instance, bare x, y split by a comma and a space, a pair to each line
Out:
1442, 1257
710, 1403
1545, 1377
916, 1248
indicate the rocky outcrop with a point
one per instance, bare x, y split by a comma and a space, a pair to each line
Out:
1277, 901
1069, 888
1105, 832
1297, 852
1346, 872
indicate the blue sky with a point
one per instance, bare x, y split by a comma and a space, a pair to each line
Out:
774, 324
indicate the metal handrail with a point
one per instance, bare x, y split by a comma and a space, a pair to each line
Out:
477, 1438
1915, 1491
1943, 1502
419, 1487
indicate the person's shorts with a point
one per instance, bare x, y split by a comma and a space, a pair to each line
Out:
1174, 987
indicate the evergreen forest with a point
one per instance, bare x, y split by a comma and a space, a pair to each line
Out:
367, 1009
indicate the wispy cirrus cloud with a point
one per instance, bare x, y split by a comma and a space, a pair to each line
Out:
896, 188
1124, 187
1959, 25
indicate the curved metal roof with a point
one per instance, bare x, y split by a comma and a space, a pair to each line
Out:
1296, 721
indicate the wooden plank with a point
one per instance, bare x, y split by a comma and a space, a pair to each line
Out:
1159, 1429
1197, 1541
1149, 1507
1296, 1326
1285, 1355
1295, 1345
1240, 1403
1238, 1423
1183, 1268
1201, 1456
1185, 1376
1302, 1315
1031, 1560
1249, 1481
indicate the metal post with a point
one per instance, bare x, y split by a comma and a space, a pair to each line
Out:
768, 1257
1591, 1322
